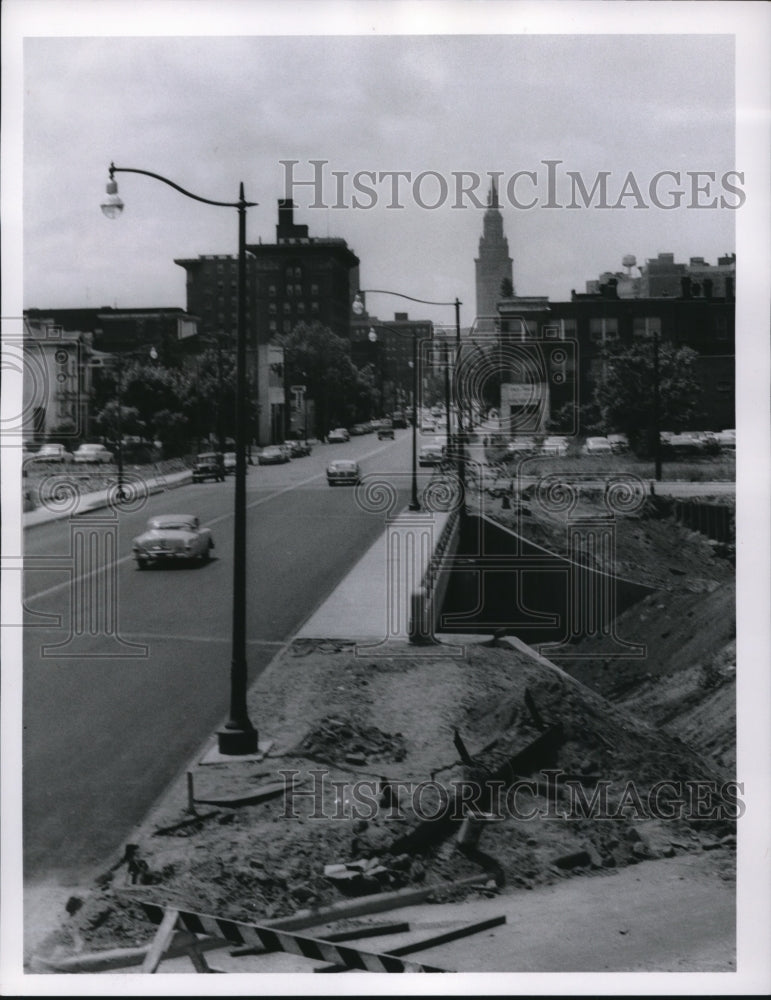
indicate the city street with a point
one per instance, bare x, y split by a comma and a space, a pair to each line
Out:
104, 734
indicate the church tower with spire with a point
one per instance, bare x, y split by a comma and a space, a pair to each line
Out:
493, 265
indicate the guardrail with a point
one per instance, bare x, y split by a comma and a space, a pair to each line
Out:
426, 601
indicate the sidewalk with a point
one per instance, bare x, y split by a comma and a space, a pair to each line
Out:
373, 601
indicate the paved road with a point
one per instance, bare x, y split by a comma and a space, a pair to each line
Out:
104, 735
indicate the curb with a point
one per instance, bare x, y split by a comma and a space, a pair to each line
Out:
100, 499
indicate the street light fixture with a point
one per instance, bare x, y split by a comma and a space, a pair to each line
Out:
239, 736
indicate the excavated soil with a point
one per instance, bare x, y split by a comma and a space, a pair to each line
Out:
374, 747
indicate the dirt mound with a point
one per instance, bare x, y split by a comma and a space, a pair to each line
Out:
584, 775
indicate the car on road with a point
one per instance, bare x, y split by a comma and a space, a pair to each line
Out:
398, 419
172, 538
95, 454
298, 449
52, 453
386, 430
431, 454
273, 454
338, 436
597, 446
209, 465
344, 471
229, 461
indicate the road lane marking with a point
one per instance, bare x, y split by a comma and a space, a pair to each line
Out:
217, 520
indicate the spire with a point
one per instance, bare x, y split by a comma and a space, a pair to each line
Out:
492, 198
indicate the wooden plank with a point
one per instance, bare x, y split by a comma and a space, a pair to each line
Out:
114, 958
161, 941
431, 942
371, 904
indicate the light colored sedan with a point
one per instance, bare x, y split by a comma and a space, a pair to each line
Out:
95, 454
52, 453
172, 538
598, 446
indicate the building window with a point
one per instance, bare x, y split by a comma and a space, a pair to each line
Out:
298, 273
272, 326
301, 307
646, 326
314, 307
287, 308
287, 326
603, 329
289, 291
272, 308
271, 290
314, 289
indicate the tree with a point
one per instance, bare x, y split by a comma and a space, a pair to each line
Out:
624, 389
318, 358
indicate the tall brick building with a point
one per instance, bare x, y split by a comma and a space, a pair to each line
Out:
298, 278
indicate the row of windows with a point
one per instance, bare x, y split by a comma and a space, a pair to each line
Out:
299, 307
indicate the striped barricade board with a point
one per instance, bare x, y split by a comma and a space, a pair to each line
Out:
240, 933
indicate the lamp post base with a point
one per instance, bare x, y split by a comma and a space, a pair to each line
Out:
237, 742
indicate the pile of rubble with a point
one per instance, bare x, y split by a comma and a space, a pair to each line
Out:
341, 740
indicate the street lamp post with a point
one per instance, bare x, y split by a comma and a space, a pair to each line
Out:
358, 308
414, 502
239, 736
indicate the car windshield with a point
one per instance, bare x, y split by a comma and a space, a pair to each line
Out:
209, 457
171, 524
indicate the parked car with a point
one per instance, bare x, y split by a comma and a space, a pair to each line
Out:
298, 449
521, 446
726, 440
229, 461
274, 454
555, 446
619, 443
93, 453
209, 465
398, 419
172, 538
386, 430
597, 446
338, 436
343, 471
684, 444
52, 453
430, 454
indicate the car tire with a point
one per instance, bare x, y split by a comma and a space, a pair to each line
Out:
205, 555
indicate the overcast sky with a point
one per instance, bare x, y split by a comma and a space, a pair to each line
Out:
208, 112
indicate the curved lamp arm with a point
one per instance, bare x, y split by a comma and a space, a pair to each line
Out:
241, 203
